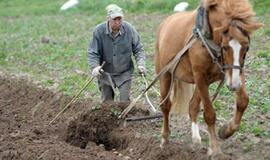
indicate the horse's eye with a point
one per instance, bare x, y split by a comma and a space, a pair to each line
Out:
245, 48
244, 57
225, 32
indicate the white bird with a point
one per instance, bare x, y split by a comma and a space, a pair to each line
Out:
69, 4
180, 7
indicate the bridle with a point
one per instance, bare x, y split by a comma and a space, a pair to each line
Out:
229, 66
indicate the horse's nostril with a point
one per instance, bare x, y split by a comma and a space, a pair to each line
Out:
232, 88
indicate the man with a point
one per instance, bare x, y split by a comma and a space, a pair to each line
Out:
113, 43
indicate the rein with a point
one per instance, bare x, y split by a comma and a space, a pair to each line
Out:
173, 62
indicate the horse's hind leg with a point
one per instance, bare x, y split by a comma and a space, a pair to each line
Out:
165, 108
194, 108
242, 99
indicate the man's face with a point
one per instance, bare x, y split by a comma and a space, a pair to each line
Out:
115, 23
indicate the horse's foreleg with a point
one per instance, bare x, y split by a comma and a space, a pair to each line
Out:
209, 115
242, 100
165, 108
194, 108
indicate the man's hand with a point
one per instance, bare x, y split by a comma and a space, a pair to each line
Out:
142, 70
97, 71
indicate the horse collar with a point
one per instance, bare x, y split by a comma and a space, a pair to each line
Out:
202, 24
202, 31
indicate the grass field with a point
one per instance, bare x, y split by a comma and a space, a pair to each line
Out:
50, 47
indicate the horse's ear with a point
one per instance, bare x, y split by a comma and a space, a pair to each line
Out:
208, 4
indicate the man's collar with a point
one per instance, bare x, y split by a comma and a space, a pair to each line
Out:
109, 29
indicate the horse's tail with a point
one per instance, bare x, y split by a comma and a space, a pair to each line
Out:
182, 94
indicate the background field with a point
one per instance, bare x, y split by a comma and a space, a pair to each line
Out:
49, 46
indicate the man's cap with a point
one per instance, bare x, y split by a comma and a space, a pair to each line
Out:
114, 11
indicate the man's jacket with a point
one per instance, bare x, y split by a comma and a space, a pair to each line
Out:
116, 51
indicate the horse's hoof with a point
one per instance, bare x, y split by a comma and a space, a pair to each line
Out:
220, 156
196, 147
224, 132
161, 146
196, 141
196, 144
163, 143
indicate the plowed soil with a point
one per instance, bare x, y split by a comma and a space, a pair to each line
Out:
86, 131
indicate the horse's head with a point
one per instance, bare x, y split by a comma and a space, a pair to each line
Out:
232, 23
235, 44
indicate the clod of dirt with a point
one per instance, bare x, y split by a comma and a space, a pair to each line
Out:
45, 40
102, 126
95, 125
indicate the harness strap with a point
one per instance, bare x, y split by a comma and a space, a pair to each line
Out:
214, 47
221, 83
202, 24
172, 75
227, 66
215, 59
171, 63
162, 72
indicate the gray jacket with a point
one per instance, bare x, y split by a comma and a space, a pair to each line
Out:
116, 51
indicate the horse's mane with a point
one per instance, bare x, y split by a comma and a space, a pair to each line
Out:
238, 12
242, 13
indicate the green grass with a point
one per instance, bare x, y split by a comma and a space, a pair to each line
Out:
21, 8
17, 8
261, 6
66, 51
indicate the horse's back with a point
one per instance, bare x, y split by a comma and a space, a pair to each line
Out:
172, 35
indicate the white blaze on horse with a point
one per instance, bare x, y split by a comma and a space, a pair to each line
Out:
222, 32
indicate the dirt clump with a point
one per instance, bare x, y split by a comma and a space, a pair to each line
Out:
94, 125
102, 127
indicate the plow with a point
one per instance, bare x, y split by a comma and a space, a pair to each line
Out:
154, 113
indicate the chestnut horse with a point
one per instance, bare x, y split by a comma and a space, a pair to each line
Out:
230, 24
